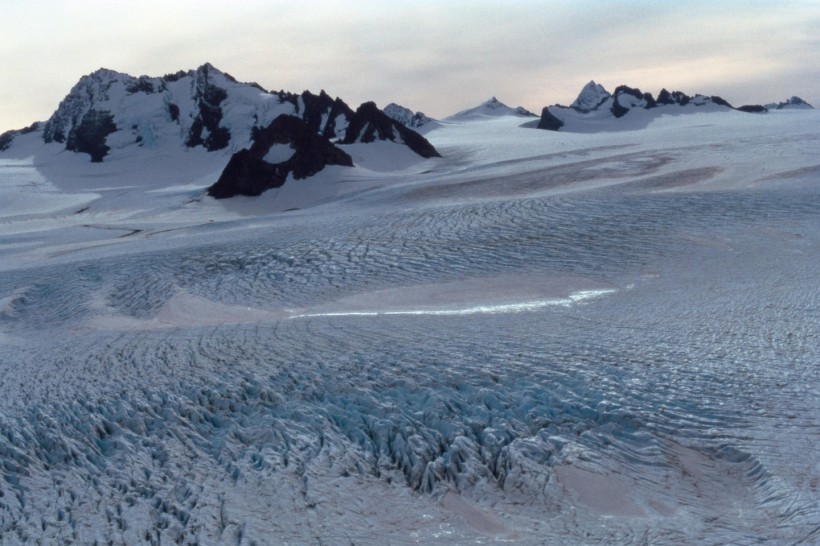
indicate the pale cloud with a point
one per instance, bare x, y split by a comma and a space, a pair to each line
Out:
434, 56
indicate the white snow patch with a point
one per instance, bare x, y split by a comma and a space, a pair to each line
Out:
279, 153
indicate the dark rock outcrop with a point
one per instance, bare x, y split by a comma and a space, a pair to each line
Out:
752, 108
721, 101
675, 97
173, 111
89, 135
248, 173
618, 110
321, 107
208, 98
6, 139
143, 84
549, 121
626, 98
308, 145
369, 124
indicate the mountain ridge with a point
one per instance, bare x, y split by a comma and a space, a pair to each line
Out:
109, 112
595, 104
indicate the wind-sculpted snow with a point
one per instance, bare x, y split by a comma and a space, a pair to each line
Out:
590, 351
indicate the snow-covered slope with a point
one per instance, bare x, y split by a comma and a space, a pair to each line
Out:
490, 108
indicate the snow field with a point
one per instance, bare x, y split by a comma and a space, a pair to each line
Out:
322, 375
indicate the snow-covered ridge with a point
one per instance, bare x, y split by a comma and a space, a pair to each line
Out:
793, 103
595, 107
405, 116
107, 111
110, 115
205, 107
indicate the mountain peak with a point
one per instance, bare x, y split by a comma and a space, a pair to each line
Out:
104, 74
492, 107
405, 116
793, 103
591, 97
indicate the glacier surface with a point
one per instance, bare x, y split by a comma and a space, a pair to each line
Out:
540, 338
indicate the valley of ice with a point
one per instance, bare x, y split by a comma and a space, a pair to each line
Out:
539, 338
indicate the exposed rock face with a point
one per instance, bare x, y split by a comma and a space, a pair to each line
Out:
626, 98
85, 96
206, 129
88, 136
370, 124
405, 116
302, 145
548, 121
752, 108
323, 114
249, 173
6, 139
675, 97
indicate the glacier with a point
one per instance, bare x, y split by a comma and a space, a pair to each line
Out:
539, 338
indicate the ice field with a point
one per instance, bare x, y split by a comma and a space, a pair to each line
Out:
540, 338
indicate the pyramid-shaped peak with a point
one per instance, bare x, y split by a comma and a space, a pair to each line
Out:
591, 96
492, 107
208, 67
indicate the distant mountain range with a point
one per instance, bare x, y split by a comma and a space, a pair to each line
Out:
595, 106
268, 136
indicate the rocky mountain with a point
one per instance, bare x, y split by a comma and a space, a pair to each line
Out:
406, 117
109, 113
288, 145
369, 124
109, 110
491, 107
591, 97
595, 106
298, 146
794, 103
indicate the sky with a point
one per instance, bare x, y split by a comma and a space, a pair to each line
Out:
439, 56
